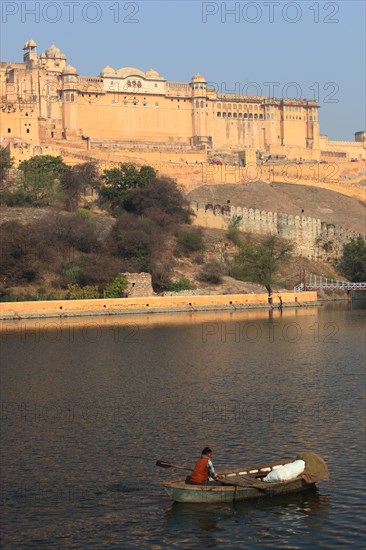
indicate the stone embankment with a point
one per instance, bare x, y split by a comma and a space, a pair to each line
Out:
151, 304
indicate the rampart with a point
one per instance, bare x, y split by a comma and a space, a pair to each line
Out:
313, 238
150, 304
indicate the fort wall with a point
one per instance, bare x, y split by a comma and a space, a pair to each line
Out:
150, 304
314, 239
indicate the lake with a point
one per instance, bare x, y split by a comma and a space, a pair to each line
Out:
89, 405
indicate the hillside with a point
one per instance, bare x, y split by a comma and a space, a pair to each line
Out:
323, 204
184, 265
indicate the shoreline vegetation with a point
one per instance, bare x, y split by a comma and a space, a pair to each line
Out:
57, 245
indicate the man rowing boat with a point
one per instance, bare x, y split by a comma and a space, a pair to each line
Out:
204, 472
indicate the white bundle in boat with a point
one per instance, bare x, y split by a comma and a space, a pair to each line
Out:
286, 472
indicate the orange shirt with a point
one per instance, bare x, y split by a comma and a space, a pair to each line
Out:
200, 472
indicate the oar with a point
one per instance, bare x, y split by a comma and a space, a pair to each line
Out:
239, 483
249, 484
163, 464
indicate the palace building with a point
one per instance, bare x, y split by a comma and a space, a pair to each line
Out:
43, 99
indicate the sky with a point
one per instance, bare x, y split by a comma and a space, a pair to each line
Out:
304, 49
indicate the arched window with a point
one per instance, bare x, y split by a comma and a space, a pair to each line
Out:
197, 103
261, 116
229, 115
218, 114
245, 115
224, 115
250, 116
240, 115
255, 116
202, 104
235, 115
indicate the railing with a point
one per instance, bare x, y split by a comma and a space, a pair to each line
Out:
310, 281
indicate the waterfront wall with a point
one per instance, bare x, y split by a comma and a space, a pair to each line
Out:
313, 238
150, 304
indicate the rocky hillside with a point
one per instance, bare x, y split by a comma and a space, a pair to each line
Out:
323, 204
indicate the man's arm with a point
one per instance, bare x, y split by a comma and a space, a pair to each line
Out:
211, 471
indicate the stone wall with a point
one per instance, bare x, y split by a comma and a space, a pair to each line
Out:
314, 239
157, 304
139, 284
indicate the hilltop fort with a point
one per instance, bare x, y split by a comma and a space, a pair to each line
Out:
46, 102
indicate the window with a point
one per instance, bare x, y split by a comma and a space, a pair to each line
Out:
223, 115
245, 115
235, 115
255, 116
197, 104
156, 104
261, 116
229, 115
219, 105
26, 114
28, 130
144, 104
202, 104
135, 103
240, 115
9, 130
218, 115
250, 116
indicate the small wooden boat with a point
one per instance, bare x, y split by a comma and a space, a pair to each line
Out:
241, 484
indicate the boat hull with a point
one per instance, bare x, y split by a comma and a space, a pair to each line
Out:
179, 491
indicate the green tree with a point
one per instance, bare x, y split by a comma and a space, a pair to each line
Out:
260, 263
117, 287
160, 200
191, 241
354, 260
121, 181
75, 179
6, 162
39, 180
89, 292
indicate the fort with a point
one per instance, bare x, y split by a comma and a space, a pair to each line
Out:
46, 105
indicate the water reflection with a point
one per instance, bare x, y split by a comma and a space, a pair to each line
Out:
260, 519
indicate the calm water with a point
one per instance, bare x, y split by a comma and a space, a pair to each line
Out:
89, 406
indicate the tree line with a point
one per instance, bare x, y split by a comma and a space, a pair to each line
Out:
149, 230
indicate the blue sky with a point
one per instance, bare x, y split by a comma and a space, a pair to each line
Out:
318, 45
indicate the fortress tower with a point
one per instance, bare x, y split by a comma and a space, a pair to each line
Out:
199, 111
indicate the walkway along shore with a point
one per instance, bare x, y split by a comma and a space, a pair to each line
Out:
152, 304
